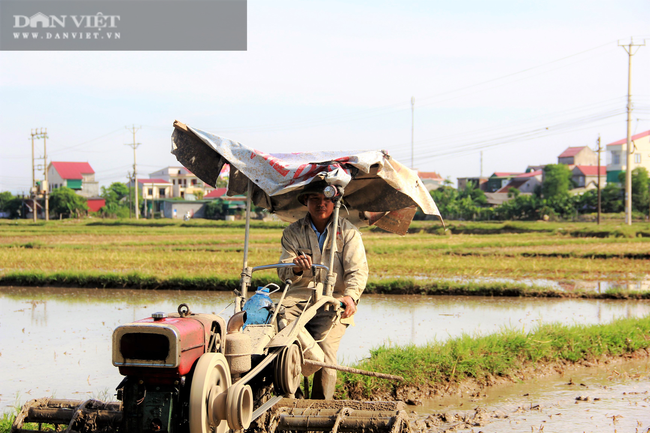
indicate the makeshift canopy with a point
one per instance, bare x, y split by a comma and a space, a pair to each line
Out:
377, 189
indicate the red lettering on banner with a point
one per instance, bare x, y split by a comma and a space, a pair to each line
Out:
273, 162
312, 169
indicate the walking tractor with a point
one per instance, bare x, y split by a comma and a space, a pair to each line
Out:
187, 372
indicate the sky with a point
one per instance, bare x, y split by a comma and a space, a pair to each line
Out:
497, 86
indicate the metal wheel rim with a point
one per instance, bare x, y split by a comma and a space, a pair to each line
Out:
292, 367
211, 375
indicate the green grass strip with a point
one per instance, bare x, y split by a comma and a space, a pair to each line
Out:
393, 286
498, 355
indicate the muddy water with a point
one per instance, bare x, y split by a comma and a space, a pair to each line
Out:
611, 398
58, 341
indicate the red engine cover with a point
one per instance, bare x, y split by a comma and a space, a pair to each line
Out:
163, 348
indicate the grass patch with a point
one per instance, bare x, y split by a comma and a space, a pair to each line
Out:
505, 354
203, 254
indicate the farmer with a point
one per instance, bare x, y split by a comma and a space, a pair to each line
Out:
307, 241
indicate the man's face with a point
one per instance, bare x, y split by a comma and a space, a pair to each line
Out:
319, 207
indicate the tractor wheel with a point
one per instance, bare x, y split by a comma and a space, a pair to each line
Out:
211, 380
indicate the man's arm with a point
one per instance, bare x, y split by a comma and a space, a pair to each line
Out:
290, 254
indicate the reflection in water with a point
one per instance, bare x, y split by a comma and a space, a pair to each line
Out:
39, 315
642, 285
58, 341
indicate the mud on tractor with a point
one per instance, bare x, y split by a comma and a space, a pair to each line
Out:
195, 373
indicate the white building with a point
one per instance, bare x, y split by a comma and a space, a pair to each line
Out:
78, 176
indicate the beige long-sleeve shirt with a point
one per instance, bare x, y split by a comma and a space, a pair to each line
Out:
350, 262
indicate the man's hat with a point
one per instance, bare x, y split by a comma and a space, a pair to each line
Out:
313, 188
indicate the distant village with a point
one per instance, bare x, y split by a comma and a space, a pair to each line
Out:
175, 192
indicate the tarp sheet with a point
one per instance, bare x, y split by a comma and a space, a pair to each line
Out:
377, 187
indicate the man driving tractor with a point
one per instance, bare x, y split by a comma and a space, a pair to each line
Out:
306, 242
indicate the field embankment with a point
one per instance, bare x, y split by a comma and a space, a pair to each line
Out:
466, 259
470, 364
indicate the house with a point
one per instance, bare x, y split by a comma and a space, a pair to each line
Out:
578, 156
153, 189
217, 193
183, 182
586, 176
617, 158
498, 180
431, 180
78, 176
476, 182
95, 204
525, 182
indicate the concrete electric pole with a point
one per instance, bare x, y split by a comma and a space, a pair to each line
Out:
36, 135
135, 145
599, 150
629, 48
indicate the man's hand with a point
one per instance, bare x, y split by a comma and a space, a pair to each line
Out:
350, 307
302, 262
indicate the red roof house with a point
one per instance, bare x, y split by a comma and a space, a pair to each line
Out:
216, 193
634, 137
582, 155
431, 179
78, 176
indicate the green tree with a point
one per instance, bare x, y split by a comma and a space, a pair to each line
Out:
640, 194
611, 198
475, 194
65, 202
445, 198
10, 204
216, 209
557, 181
115, 192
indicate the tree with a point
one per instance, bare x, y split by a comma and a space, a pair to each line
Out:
115, 192
65, 202
10, 204
557, 181
640, 195
478, 196
611, 198
445, 198
216, 209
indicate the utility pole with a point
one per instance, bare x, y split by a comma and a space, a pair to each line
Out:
128, 176
37, 134
46, 185
629, 48
33, 189
412, 129
599, 150
135, 145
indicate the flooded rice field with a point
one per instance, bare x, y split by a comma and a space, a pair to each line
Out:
612, 398
641, 284
57, 342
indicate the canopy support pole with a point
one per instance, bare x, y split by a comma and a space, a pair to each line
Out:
331, 276
246, 272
